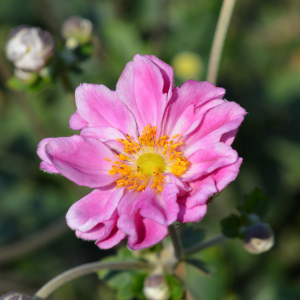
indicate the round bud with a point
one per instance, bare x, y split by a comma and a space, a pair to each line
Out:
76, 31
156, 288
15, 296
187, 65
259, 238
29, 48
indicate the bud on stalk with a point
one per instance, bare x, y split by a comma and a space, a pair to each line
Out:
156, 288
259, 238
77, 31
29, 48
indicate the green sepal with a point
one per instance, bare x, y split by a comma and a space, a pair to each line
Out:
176, 288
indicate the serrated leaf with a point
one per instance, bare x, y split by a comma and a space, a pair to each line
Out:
231, 225
176, 287
200, 265
256, 203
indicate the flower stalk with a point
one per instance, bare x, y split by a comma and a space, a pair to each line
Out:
86, 269
174, 234
215, 240
218, 41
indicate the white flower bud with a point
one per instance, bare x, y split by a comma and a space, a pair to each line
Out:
15, 296
76, 31
29, 48
156, 288
259, 238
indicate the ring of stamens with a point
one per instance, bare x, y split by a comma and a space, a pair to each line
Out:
146, 161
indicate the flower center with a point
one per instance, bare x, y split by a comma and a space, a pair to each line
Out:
146, 161
150, 163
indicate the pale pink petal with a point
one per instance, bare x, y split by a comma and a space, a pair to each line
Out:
205, 161
82, 160
202, 189
101, 107
167, 74
181, 185
48, 167
95, 208
193, 93
194, 214
112, 240
225, 175
161, 208
142, 232
141, 84
76, 122
217, 121
46, 164
102, 133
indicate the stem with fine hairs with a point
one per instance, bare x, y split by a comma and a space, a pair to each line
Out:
86, 269
218, 41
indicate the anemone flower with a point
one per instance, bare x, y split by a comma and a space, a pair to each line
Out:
152, 152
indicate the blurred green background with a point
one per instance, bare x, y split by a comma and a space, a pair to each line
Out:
260, 70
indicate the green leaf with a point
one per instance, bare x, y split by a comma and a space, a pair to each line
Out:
231, 225
176, 287
200, 265
256, 203
193, 235
138, 285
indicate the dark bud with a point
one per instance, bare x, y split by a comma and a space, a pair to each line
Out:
259, 238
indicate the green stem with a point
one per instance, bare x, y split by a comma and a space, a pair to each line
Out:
215, 240
82, 270
174, 234
219, 38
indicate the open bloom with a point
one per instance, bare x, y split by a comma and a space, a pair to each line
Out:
153, 153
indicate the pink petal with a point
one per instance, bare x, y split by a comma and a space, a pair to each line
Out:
101, 107
98, 232
202, 189
207, 160
142, 232
194, 214
196, 94
161, 208
112, 240
82, 160
167, 74
217, 121
141, 84
181, 185
225, 175
95, 208
102, 133
46, 164
76, 122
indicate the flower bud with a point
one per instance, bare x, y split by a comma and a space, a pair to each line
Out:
156, 288
259, 238
187, 65
29, 48
15, 296
76, 31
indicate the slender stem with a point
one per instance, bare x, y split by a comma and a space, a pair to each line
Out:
219, 38
215, 240
33, 242
176, 241
82, 270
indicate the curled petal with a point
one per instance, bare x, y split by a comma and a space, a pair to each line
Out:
46, 164
205, 161
142, 79
194, 214
101, 107
102, 133
82, 160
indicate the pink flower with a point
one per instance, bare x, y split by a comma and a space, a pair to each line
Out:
153, 153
